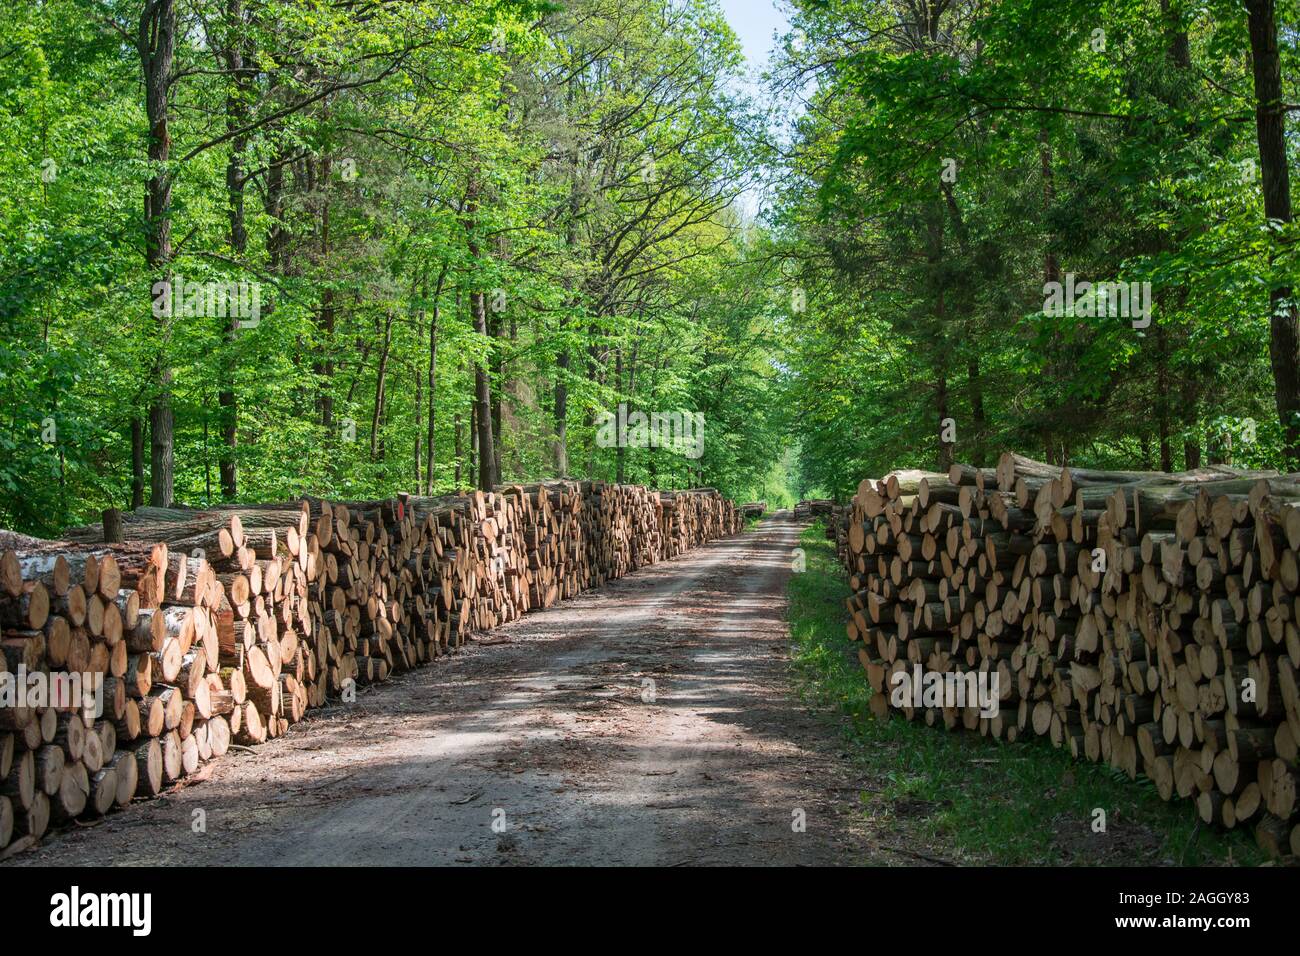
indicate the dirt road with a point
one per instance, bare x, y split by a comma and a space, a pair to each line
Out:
649, 722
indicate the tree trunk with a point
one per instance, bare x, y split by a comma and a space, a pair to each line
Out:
974, 385
431, 448
1191, 446
381, 382
1162, 399
156, 43
1180, 50
418, 456
277, 234
934, 256
456, 423
236, 118
325, 321
1051, 266
137, 462
1215, 448
978, 418
483, 400
485, 451
561, 447
945, 447
472, 469
498, 398
1270, 127
620, 450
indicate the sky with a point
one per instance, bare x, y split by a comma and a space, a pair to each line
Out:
755, 21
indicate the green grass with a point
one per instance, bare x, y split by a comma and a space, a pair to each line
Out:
971, 799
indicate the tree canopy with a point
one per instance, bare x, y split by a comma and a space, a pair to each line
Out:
252, 249
957, 158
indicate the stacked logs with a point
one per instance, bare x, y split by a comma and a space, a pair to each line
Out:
229, 623
82, 613
837, 530
1147, 620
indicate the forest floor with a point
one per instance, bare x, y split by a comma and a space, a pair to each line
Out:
653, 721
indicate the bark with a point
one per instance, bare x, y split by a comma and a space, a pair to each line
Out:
137, 462
156, 44
420, 289
498, 397
1162, 399
483, 400
1191, 447
620, 451
1211, 449
595, 373
325, 320
631, 377
934, 255
941, 397
486, 453
472, 469
418, 457
278, 235
381, 383
236, 118
563, 359
1051, 267
431, 448
978, 417
1180, 50
561, 447
974, 385
457, 448
1270, 127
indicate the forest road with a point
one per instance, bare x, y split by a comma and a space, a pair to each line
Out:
651, 721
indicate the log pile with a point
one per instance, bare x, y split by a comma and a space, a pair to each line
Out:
1145, 620
813, 508
837, 530
229, 623
752, 509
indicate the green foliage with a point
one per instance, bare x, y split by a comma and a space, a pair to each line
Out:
578, 165
1076, 141
575, 163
